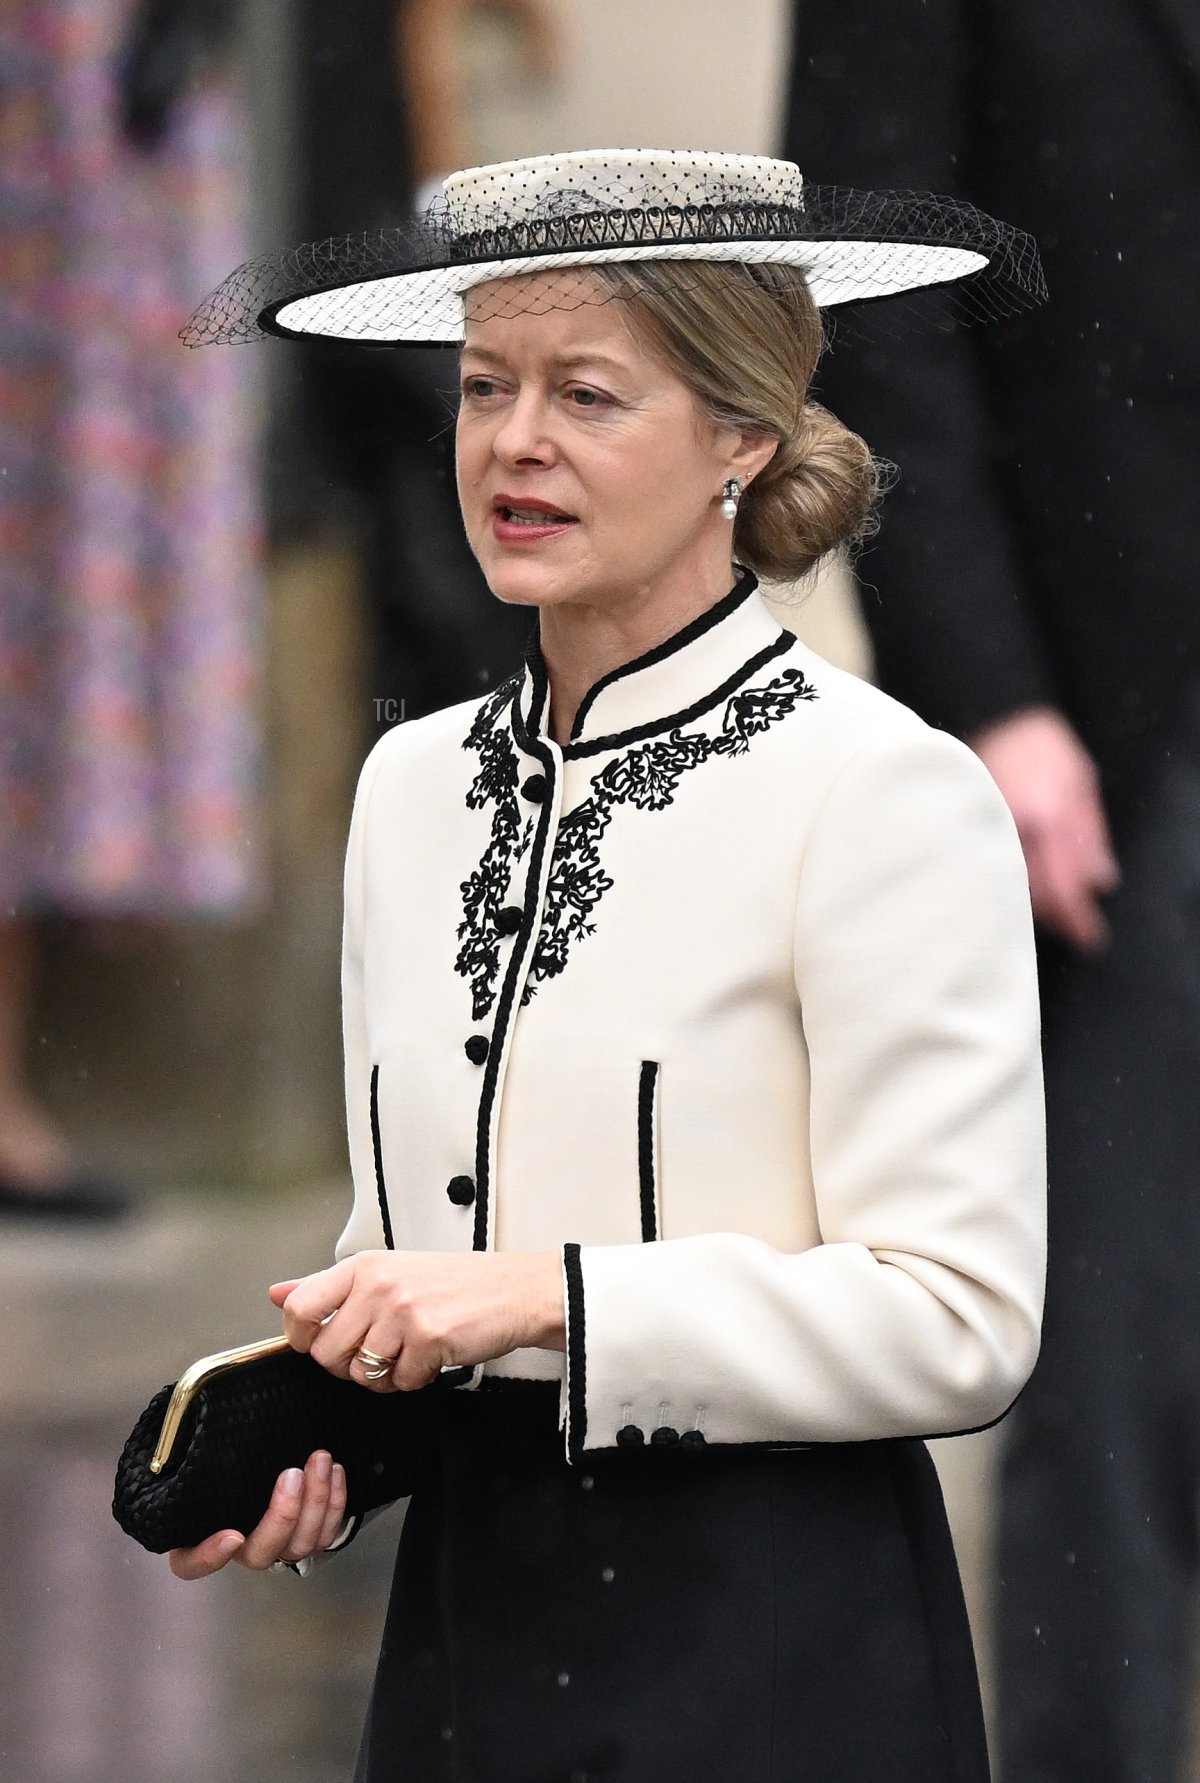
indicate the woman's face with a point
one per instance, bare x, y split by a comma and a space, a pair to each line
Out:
587, 471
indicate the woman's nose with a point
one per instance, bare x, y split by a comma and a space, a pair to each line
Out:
522, 435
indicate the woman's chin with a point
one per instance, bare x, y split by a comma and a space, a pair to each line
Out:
526, 584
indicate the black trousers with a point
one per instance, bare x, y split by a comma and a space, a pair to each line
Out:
1097, 1548
735, 1616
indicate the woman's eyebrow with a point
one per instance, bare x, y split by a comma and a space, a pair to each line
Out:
560, 361
565, 361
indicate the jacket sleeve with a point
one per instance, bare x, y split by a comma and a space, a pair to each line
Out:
364, 1230
919, 1312
883, 96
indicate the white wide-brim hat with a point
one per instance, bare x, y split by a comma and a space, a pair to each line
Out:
406, 285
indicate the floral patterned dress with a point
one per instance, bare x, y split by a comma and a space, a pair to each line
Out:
130, 539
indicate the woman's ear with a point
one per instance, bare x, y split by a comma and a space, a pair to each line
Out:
752, 454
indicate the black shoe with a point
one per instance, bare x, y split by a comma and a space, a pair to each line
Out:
81, 1194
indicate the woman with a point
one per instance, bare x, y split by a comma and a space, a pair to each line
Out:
691, 1037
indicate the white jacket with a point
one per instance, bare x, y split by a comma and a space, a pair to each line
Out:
733, 998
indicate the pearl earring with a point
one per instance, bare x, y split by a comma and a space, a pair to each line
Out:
729, 505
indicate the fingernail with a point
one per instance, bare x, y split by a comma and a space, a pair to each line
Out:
293, 1483
229, 1544
324, 1467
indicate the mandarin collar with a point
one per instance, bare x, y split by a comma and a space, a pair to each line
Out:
662, 686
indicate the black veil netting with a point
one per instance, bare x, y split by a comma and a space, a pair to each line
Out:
406, 284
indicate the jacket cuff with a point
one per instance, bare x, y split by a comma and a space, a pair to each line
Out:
630, 1419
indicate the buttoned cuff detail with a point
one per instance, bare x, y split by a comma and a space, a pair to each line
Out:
661, 1426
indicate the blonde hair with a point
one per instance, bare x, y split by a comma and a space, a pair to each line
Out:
746, 340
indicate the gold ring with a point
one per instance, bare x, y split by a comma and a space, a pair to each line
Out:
375, 1368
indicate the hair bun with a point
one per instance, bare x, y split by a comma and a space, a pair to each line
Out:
817, 493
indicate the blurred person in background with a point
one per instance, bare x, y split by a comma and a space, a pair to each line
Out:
382, 116
130, 587
1032, 590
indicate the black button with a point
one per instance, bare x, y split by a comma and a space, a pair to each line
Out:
630, 1437
476, 1048
692, 1439
509, 919
665, 1438
461, 1190
535, 788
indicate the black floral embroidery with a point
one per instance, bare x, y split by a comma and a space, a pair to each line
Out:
485, 891
646, 777
755, 708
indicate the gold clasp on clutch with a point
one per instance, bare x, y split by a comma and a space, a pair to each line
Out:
195, 1377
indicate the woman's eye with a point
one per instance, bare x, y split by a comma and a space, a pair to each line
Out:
478, 386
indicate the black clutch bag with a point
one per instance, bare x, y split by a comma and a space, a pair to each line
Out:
206, 1453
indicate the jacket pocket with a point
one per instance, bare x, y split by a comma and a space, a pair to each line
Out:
380, 1185
647, 1130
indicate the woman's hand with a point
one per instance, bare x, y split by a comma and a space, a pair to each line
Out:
427, 1309
306, 1512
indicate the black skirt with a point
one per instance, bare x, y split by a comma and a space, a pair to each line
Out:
730, 1615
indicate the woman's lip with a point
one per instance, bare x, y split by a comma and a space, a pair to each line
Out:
525, 532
